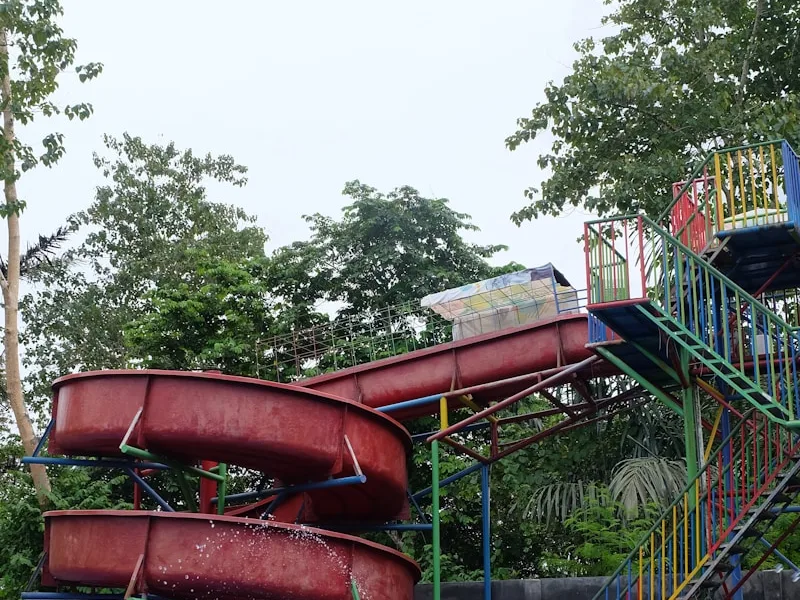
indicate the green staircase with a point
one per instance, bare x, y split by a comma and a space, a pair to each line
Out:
664, 315
686, 304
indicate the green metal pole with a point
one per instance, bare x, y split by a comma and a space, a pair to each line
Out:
186, 490
627, 370
691, 422
222, 489
437, 566
145, 455
354, 590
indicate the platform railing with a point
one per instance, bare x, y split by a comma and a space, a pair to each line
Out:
733, 189
723, 318
692, 530
691, 217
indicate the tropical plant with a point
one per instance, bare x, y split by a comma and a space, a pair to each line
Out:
635, 483
599, 538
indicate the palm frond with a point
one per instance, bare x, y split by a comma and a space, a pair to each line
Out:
40, 252
636, 482
557, 501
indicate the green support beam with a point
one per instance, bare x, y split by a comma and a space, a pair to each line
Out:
662, 396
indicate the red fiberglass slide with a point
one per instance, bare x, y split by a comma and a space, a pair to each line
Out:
294, 434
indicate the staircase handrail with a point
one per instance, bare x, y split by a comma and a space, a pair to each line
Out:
713, 271
678, 501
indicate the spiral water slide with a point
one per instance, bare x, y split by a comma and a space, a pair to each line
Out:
322, 429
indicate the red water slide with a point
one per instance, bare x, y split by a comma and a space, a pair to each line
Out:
325, 428
508, 361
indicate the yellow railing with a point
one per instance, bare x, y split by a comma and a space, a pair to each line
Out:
733, 189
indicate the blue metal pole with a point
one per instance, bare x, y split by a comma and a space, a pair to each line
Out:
303, 487
416, 505
780, 556
147, 488
485, 534
736, 574
411, 403
44, 437
449, 480
87, 462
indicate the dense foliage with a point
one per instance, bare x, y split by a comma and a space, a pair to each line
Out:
148, 233
386, 249
162, 275
676, 79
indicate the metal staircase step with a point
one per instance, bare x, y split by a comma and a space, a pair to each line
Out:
790, 480
747, 532
759, 514
710, 584
724, 567
731, 549
781, 499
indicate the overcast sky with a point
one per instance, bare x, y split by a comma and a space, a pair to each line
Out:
310, 95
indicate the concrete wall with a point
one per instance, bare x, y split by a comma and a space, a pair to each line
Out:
766, 585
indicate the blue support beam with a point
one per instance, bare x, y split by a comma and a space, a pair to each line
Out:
411, 403
44, 437
92, 462
448, 480
291, 489
150, 491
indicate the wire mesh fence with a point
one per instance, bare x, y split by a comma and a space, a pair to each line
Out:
354, 340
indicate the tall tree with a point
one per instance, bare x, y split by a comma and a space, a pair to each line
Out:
386, 249
29, 76
148, 228
640, 107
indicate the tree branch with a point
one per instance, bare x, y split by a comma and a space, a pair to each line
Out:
748, 52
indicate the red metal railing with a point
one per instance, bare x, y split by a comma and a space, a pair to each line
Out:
688, 215
682, 544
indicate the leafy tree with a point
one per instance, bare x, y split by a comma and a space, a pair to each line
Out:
374, 264
599, 539
28, 77
640, 107
212, 319
387, 249
151, 227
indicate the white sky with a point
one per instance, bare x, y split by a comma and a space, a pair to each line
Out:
310, 95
